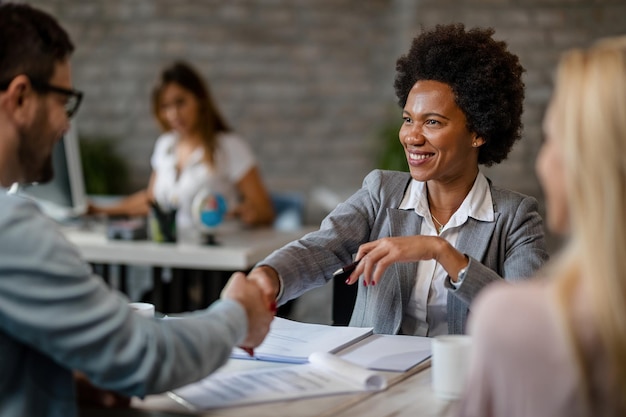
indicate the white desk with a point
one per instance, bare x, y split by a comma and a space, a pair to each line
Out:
237, 251
409, 394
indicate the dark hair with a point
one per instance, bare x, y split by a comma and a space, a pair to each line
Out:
483, 75
31, 43
210, 120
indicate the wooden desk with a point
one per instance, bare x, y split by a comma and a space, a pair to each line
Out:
409, 394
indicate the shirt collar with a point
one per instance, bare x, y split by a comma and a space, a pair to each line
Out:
196, 156
478, 203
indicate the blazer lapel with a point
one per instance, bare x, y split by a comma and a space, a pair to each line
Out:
405, 223
474, 239
475, 236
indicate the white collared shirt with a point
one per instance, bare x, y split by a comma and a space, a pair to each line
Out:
426, 314
233, 159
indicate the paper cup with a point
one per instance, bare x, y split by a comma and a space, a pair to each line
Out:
143, 309
450, 365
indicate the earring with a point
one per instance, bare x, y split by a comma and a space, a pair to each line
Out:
474, 144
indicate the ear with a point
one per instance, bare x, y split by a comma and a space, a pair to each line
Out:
19, 99
477, 141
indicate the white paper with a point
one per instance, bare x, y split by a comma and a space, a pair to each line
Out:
293, 342
353, 374
324, 375
388, 352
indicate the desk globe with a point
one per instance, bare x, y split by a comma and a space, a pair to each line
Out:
208, 209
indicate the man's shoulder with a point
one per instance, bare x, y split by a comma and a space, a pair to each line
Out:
21, 217
17, 206
26, 231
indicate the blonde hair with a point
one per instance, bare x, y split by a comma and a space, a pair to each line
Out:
590, 110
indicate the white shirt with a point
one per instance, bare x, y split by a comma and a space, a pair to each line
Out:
233, 159
426, 314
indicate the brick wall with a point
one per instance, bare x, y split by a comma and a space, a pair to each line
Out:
537, 31
307, 83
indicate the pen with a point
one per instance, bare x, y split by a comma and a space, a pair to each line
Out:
344, 272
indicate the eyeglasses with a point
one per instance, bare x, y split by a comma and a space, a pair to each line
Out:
74, 97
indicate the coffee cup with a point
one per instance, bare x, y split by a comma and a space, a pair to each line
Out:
143, 309
450, 365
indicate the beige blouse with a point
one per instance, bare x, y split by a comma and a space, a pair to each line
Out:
521, 361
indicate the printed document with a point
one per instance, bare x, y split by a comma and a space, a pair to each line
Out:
325, 374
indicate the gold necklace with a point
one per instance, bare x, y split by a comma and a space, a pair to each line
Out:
439, 224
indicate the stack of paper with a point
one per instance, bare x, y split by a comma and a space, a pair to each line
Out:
293, 342
351, 369
326, 374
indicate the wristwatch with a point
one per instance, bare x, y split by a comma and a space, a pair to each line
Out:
461, 275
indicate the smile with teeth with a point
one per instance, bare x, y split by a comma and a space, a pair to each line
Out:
419, 156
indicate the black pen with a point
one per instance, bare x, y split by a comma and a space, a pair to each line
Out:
344, 273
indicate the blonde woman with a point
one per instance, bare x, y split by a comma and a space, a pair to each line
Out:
557, 346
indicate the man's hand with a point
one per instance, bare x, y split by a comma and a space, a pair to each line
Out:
90, 395
259, 308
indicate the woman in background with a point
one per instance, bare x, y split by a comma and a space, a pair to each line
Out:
196, 152
556, 347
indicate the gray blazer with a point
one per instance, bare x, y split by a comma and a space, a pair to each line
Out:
511, 247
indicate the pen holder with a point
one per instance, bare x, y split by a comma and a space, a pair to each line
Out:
162, 224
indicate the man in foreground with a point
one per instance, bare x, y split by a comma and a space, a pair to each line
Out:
56, 318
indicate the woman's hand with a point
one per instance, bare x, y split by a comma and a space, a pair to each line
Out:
375, 257
137, 204
267, 279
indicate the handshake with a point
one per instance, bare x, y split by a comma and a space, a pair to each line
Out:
257, 295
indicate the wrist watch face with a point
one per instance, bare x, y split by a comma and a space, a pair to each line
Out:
461, 275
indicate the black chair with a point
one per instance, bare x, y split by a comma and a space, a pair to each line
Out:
344, 297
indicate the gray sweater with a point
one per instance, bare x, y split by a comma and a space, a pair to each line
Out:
56, 316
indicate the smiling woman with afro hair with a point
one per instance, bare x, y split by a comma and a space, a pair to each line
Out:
485, 79
428, 241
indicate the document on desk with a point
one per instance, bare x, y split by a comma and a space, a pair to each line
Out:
384, 352
325, 374
293, 342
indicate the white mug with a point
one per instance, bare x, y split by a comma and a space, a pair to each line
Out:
143, 309
450, 365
